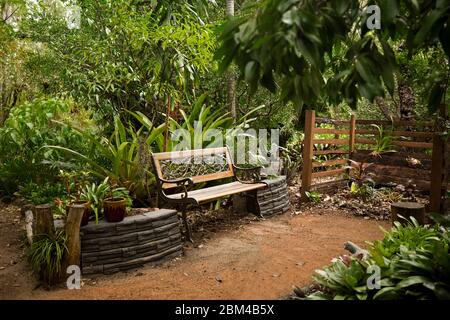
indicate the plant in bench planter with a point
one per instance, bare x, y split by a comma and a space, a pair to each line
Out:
248, 173
119, 157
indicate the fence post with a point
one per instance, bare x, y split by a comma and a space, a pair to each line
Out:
308, 153
351, 143
438, 181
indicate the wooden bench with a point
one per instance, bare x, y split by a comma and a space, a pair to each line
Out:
184, 169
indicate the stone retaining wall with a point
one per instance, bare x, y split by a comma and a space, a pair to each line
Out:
111, 247
275, 198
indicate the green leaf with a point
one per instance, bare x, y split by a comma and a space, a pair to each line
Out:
427, 25
411, 281
250, 71
363, 66
385, 293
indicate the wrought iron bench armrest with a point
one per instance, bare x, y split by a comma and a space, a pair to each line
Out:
185, 183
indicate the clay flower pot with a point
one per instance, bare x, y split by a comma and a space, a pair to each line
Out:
87, 211
114, 209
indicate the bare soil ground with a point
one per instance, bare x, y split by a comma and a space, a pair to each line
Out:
236, 258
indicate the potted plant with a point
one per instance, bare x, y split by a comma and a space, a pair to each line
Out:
71, 183
94, 194
115, 206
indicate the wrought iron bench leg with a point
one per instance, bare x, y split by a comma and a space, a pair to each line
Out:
187, 227
253, 204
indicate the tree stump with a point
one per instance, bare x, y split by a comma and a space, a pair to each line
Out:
72, 229
43, 220
406, 210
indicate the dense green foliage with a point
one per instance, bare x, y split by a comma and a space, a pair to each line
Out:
100, 97
123, 58
117, 157
28, 128
326, 54
414, 261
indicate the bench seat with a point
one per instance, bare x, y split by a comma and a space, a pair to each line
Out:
207, 194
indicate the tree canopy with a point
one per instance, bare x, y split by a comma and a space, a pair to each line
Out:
319, 52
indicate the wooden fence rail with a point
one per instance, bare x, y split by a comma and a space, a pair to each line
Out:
345, 147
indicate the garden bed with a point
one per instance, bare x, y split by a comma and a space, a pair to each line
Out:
151, 237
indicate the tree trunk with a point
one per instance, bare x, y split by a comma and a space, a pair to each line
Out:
166, 133
231, 98
72, 229
43, 220
381, 103
407, 102
231, 81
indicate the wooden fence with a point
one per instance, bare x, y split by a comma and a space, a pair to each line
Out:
414, 140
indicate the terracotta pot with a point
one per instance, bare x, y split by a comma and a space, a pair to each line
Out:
87, 211
114, 209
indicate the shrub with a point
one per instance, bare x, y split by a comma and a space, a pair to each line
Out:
46, 256
414, 262
291, 156
123, 157
42, 193
118, 158
28, 128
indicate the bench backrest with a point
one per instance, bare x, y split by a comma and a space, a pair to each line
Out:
201, 165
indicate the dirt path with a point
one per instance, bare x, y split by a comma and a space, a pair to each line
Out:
260, 260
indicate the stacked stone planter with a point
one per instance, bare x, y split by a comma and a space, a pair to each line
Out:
274, 199
111, 247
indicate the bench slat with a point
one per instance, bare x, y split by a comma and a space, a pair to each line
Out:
205, 178
216, 192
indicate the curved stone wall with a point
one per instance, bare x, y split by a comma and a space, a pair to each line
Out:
151, 237
275, 198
